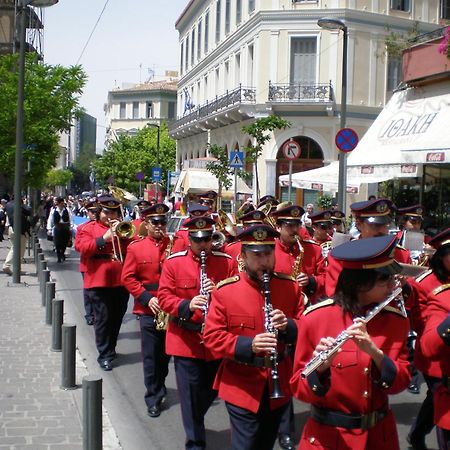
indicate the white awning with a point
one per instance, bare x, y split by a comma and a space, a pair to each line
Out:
410, 131
197, 181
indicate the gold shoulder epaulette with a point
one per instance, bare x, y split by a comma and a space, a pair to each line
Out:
441, 288
220, 254
394, 310
174, 255
327, 302
422, 276
283, 276
227, 281
310, 241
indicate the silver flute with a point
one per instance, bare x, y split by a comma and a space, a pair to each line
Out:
343, 337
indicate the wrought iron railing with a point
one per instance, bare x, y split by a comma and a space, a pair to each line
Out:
425, 37
300, 92
237, 96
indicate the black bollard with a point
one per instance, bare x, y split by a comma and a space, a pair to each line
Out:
92, 413
45, 276
50, 288
42, 265
69, 336
38, 252
57, 321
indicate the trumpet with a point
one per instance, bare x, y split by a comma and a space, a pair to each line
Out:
123, 230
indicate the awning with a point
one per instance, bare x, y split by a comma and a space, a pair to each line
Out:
197, 181
410, 131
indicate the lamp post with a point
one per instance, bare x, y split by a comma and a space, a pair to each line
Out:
22, 9
157, 153
330, 23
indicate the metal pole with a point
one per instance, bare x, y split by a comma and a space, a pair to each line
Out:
18, 162
235, 192
92, 413
69, 336
168, 184
50, 288
290, 180
45, 278
57, 321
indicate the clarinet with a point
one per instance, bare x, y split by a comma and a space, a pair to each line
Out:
343, 337
268, 308
203, 278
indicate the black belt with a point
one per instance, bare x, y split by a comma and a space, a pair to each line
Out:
261, 361
446, 382
349, 421
187, 325
102, 256
151, 287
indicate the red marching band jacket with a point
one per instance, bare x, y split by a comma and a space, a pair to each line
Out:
78, 237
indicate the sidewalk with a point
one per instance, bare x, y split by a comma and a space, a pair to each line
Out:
34, 412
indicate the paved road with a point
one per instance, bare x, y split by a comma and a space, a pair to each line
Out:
124, 390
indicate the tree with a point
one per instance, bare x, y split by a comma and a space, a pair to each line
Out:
57, 177
258, 130
51, 100
127, 156
81, 169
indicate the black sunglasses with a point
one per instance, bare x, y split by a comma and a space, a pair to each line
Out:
158, 222
197, 240
325, 226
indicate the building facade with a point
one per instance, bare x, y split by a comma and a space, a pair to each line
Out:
244, 59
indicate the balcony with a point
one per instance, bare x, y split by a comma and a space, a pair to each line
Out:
300, 93
223, 110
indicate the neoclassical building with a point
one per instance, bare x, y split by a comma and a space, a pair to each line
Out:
244, 59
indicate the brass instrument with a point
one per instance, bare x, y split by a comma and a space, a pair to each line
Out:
298, 263
122, 195
224, 223
343, 337
268, 308
123, 230
269, 220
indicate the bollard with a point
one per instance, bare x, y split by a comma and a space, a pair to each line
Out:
92, 413
50, 288
40, 267
69, 336
38, 252
45, 276
57, 321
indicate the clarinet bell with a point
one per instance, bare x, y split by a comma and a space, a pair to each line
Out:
276, 389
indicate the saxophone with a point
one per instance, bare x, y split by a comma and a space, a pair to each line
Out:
162, 318
297, 267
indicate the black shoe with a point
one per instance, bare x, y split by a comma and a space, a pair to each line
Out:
90, 321
105, 365
416, 443
414, 388
286, 442
154, 411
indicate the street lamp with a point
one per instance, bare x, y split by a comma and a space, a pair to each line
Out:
22, 9
157, 153
330, 23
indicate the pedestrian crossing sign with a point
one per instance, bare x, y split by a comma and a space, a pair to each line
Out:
236, 159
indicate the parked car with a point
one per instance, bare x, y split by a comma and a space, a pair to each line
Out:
174, 223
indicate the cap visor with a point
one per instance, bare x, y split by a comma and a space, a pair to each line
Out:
411, 270
200, 234
258, 248
392, 269
378, 220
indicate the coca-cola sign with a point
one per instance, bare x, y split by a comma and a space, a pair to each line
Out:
317, 186
367, 170
352, 190
408, 168
435, 157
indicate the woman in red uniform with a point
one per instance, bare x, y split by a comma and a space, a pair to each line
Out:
349, 391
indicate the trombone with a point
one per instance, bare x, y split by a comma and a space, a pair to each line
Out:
123, 230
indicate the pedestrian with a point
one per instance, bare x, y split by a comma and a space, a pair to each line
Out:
244, 334
187, 279
348, 389
140, 276
3, 203
59, 226
306, 216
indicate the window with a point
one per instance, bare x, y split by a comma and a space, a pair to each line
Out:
123, 110
181, 58
226, 76
171, 110
205, 49
218, 7
238, 11
149, 110
205, 89
237, 69
199, 40
250, 66
445, 9
192, 46
400, 5
227, 16
251, 6
303, 60
135, 110
394, 73
186, 57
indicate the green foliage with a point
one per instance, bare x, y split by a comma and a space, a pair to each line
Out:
259, 131
324, 201
81, 170
397, 42
220, 168
127, 156
51, 99
57, 177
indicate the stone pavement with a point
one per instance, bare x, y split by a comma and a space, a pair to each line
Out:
34, 412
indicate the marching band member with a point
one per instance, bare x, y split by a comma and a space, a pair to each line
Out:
236, 331
338, 220
322, 226
102, 278
410, 219
140, 276
137, 221
184, 291
348, 390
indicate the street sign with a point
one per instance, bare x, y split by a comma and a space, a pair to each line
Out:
156, 173
140, 176
236, 159
291, 150
346, 140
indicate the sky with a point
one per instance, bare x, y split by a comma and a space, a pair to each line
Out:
131, 38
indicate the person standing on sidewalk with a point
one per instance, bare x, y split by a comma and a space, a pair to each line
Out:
2, 218
59, 225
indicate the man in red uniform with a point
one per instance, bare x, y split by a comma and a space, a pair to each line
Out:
137, 221
209, 199
295, 254
140, 275
248, 320
338, 220
184, 290
91, 211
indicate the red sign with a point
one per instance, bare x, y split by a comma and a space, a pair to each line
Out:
346, 140
408, 168
352, 190
291, 149
317, 186
367, 170
436, 157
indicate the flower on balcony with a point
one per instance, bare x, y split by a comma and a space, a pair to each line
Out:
444, 46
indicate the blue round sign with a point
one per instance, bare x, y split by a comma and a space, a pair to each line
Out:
346, 140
